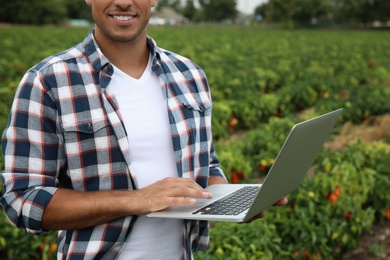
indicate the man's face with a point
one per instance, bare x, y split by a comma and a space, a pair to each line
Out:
121, 20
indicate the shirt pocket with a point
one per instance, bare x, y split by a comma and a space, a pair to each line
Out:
198, 118
80, 131
92, 152
197, 114
199, 106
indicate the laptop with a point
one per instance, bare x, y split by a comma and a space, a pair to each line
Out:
241, 202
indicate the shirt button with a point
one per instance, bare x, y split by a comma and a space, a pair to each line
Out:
90, 127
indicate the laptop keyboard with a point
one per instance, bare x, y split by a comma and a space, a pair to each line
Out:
233, 204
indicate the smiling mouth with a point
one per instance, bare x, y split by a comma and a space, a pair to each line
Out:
123, 17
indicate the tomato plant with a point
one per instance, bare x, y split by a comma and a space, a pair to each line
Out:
262, 82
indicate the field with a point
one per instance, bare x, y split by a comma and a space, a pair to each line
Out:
262, 82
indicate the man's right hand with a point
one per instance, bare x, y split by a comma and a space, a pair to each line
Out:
170, 192
70, 209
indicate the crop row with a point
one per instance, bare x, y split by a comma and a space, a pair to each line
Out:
261, 80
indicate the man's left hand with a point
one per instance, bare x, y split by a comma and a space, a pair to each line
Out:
281, 202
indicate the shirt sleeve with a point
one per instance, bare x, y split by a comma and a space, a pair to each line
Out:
33, 153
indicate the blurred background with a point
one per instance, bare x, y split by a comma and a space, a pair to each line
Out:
288, 13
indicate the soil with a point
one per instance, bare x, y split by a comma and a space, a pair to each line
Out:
375, 128
375, 244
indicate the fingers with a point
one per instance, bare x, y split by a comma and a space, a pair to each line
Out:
171, 192
281, 202
183, 187
260, 215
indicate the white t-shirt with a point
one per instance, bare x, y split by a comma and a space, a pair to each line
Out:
144, 111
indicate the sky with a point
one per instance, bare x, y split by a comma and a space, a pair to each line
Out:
248, 6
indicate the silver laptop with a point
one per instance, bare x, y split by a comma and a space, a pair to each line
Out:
241, 202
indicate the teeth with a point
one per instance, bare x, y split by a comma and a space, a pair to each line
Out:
122, 18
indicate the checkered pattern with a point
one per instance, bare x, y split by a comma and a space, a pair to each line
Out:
65, 131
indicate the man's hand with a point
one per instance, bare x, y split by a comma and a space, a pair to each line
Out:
170, 192
281, 202
69, 209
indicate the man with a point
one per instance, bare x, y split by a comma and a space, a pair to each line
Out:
98, 136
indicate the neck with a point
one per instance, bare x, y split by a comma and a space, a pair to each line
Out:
130, 57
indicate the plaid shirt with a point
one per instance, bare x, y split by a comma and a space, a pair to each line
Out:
65, 130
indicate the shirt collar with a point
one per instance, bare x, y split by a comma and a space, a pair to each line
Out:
93, 52
99, 61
